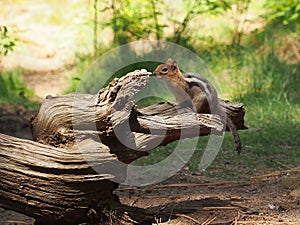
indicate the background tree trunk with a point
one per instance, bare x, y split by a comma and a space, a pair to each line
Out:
72, 170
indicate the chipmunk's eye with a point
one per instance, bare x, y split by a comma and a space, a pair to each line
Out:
165, 69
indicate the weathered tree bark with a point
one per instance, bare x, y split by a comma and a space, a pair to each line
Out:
53, 185
81, 140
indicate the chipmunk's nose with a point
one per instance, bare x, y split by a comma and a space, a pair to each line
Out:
154, 73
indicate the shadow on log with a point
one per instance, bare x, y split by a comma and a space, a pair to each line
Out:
83, 144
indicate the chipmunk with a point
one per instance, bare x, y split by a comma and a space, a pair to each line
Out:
195, 91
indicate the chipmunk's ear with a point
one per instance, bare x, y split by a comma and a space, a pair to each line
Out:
175, 63
169, 61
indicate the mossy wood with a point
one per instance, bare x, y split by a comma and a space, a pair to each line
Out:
53, 178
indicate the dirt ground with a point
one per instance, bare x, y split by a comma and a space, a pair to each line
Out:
271, 197
189, 198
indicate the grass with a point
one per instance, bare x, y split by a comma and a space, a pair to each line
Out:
82, 64
271, 141
13, 90
268, 88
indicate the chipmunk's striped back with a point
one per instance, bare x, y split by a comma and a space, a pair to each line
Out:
197, 84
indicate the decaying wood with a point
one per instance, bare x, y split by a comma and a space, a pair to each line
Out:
53, 185
81, 139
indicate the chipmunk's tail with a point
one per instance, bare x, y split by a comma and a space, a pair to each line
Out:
236, 137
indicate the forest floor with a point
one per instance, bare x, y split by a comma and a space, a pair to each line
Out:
269, 197
187, 199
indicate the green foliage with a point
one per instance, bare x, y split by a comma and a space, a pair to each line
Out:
83, 61
7, 42
284, 11
133, 20
268, 87
13, 90
190, 11
242, 7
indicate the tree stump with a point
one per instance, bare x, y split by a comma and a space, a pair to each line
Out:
70, 169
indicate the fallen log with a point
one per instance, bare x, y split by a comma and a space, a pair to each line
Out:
83, 144
53, 185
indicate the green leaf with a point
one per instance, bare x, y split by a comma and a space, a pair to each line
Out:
294, 16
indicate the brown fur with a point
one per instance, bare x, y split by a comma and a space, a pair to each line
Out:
190, 87
204, 101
